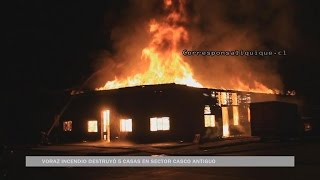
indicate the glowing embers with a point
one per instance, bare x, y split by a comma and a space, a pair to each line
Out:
235, 115
225, 121
159, 124
244, 98
126, 125
226, 98
67, 126
209, 121
92, 126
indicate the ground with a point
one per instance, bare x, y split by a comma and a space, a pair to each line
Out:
307, 160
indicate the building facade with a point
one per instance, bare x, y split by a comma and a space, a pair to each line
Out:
157, 113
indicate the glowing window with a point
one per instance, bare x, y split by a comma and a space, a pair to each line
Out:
126, 125
67, 126
248, 110
235, 115
234, 99
106, 120
159, 123
224, 98
92, 126
207, 109
225, 121
209, 120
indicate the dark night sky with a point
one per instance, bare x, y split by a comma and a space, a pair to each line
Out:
50, 46
51, 42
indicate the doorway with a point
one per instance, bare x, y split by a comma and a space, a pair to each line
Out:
105, 125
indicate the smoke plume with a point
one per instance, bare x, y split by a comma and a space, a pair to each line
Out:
211, 25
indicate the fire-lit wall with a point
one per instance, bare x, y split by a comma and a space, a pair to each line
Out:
183, 106
235, 112
154, 113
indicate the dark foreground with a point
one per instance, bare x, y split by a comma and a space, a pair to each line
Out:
307, 162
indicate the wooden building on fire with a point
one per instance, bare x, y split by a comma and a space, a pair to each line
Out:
158, 113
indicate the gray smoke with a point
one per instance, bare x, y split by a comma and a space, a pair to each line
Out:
212, 25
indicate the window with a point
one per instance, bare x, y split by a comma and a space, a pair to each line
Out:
92, 126
248, 110
126, 125
224, 98
207, 109
209, 120
106, 119
225, 121
235, 115
234, 99
67, 126
105, 125
159, 123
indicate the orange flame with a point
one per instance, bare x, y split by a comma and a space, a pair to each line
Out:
163, 55
165, 62
257, 87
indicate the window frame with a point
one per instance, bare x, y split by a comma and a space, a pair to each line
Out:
158, 124
96, 126
126, 122
212, 122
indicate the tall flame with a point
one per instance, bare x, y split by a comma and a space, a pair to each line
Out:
165, 62
164, 56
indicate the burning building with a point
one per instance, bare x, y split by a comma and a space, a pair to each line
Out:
154, 113
159, 97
